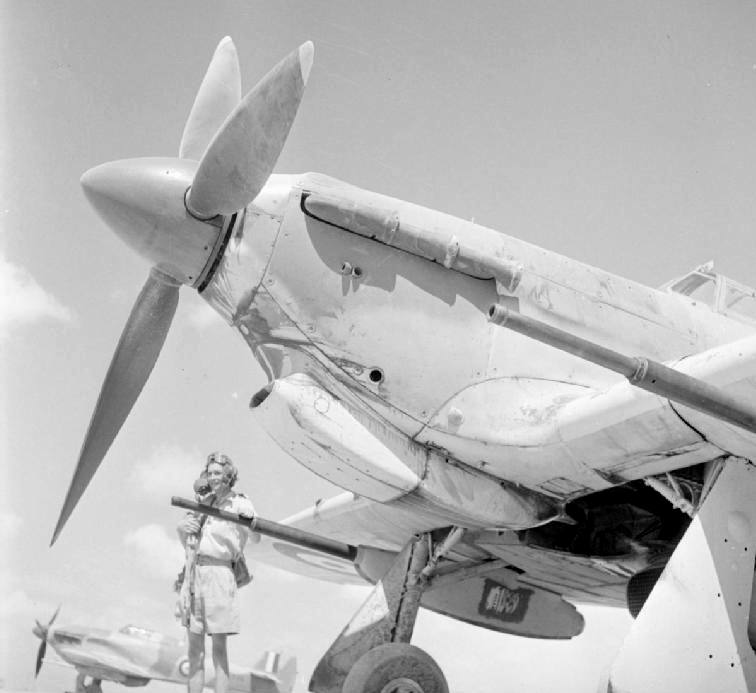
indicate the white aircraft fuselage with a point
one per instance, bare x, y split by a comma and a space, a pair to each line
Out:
402, 342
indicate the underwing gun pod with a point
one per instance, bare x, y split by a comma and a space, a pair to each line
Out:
373, 651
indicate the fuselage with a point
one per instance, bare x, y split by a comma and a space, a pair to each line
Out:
384, 303
133, 656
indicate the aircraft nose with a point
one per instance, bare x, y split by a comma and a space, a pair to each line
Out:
142, 201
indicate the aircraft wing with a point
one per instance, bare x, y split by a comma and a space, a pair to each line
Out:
108, 667
493, 579
305, 561
596, 454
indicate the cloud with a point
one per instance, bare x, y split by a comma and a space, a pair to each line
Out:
24, 301
195, 312
202, 316
10, 524
169, 471
19, 603
159, 551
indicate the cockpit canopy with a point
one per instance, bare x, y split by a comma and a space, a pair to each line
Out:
143, 633
716, 291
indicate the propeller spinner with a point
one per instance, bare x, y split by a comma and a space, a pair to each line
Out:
168, 210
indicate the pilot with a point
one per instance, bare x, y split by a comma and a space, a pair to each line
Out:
214, 609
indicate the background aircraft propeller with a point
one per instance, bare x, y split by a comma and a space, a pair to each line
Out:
41, 632
237, 144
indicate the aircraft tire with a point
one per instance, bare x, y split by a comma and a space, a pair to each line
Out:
395, 668
639, 587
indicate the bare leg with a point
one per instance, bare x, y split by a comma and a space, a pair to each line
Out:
196, 661
220, 662
80, 683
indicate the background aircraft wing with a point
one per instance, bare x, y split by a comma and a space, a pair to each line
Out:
105, 665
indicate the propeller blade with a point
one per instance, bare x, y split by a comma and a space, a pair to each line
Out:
40, 656
243, 153
54, 616
132, 363
218, 95
41, 632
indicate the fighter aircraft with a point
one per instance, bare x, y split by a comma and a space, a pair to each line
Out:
133, 656
516, 432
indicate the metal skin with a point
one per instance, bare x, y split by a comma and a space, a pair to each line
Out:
408, 344
354, 451
134, 656
648, 375
706, 586
142, 200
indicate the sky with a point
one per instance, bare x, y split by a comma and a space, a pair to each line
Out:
620, 134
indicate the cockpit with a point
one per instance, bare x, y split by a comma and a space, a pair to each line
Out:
143, 633
722, 295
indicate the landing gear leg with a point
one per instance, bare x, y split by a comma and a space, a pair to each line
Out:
372, 654
94, 687
692, 632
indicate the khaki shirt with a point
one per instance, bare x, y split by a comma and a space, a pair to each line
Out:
222, 539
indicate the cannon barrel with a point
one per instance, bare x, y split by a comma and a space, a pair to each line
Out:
276, 530
644, 373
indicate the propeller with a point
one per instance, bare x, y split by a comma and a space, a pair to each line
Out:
242, 155
218, 95
41, 632
145, 201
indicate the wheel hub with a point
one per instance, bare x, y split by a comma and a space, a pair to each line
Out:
402, 685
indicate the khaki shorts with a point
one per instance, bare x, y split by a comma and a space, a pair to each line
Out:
215, 607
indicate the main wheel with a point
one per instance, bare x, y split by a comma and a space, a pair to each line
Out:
395, 668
